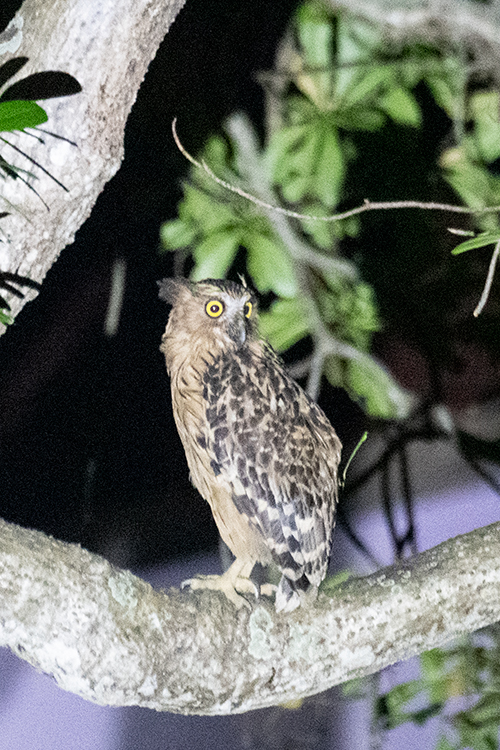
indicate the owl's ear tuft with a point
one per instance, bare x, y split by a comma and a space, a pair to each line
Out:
171, 288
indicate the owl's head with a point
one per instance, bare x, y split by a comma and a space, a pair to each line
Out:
220, 310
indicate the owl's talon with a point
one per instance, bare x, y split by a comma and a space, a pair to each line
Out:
222, 584
246, 586
233, 580
187, 583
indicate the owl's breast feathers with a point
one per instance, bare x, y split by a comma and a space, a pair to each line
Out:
190, 410
256, 443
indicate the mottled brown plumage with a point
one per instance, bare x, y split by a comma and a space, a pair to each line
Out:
260, 451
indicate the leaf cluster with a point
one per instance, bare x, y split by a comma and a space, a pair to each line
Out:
334, 76
469, 166
19, 111
461, 685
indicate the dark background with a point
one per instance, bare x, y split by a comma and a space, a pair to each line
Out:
88, 448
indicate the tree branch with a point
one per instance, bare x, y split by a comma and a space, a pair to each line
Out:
463, 23
107, 47
107, 636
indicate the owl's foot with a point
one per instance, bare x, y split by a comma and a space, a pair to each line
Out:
234, 580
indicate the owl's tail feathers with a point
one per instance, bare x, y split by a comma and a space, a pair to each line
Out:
293, 594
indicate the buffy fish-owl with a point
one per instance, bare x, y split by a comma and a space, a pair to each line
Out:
259, 450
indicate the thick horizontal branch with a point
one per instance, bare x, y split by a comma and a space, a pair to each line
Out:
107, 636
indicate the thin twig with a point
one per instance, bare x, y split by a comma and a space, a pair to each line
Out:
409, 501
345, 524
367, 205
488, 282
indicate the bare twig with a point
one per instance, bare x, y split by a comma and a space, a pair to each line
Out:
367, 205
488, 282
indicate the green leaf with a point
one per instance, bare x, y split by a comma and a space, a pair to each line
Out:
295, 187
444, 744
210, 214
366, 85
284, 142
216, 152
446, 81
401, 694
309, 160
270, 265
401, 106
284, 324
483, 239
410, 71
484, 106
214, 255
433, 664
348, 227
392, 709
330, 168
5, 318
486, 711
323, 233
369, 383
18, 115
470, 181
424, 714
315, 32
302, 163
349, 308
476, 737
356, 41
176, 234
360, 118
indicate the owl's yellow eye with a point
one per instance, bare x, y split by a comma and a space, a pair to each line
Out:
214, 308
248, 309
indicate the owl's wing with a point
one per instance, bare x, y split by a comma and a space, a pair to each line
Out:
280, 454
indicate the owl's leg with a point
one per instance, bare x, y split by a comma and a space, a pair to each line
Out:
292, 594
236, 578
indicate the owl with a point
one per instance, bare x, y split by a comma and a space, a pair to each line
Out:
260, 451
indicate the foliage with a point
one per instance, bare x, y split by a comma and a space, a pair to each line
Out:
332, 88
466, 166
334, 77
461, 685
18, 111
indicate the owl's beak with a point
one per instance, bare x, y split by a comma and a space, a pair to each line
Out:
237, 330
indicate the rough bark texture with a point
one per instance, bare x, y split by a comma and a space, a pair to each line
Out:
107, 46
107, 636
